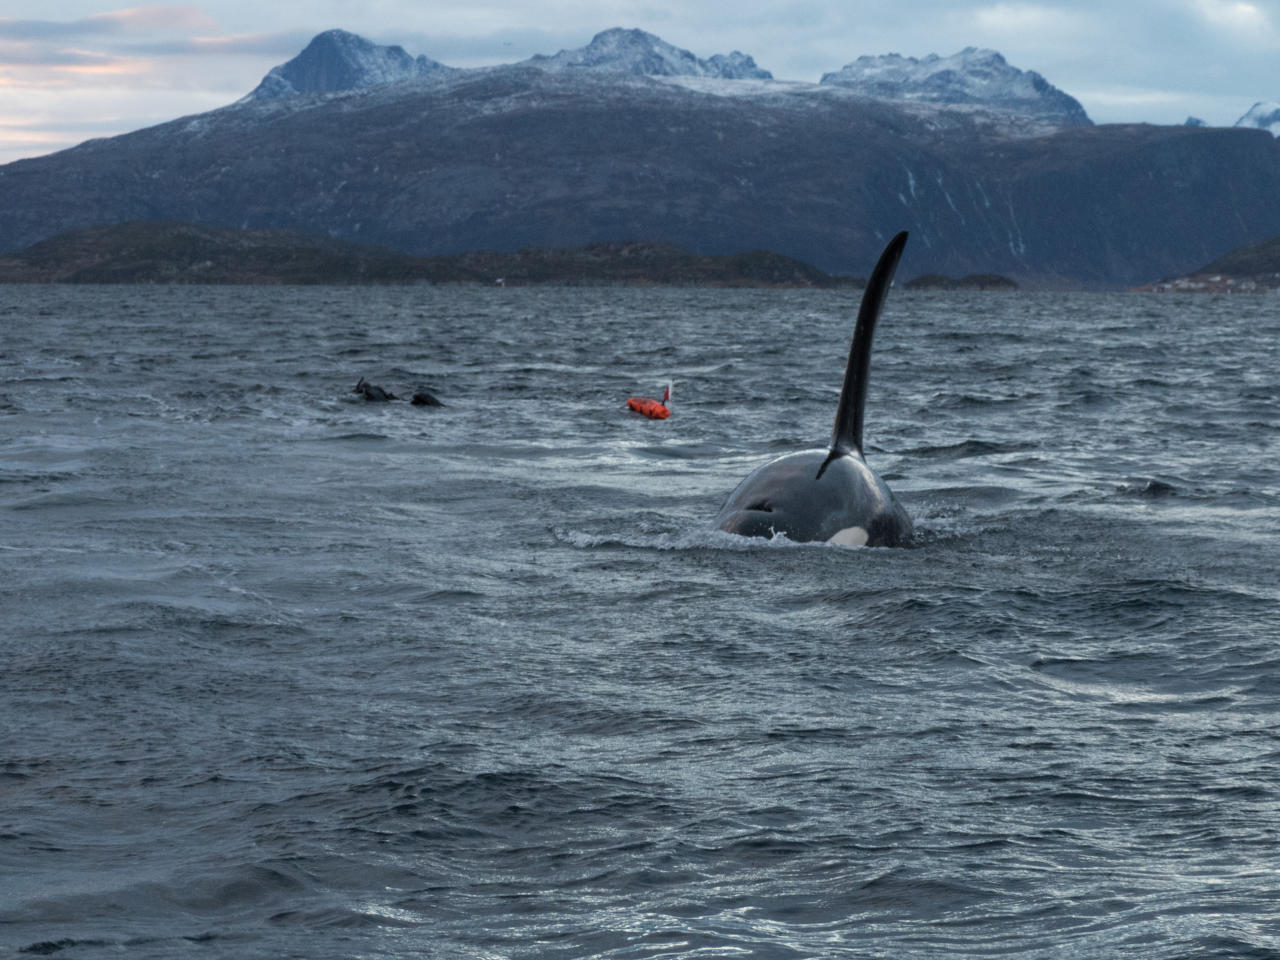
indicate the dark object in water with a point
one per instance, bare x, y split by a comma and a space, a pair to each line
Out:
371, 392
830, 495
424, 399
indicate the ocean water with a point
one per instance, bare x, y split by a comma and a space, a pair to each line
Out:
288, 674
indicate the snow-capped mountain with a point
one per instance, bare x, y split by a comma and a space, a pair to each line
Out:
634, 51
1264, 116
337, 61
973, 77
966, 153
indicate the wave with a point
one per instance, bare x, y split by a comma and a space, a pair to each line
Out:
970, 448
1149, 489
356, 437
703, 538
46, 501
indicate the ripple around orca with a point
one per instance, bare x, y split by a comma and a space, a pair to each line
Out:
702, 451
970, 448
359, 437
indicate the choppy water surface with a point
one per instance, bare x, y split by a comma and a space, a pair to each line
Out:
287, 674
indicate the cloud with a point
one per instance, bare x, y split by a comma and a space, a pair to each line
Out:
145, 47
1239, 24
1234, 15
119, 22
46, 119
279, 45
1121, 104
159, 18
138, 33
1021, 18
27, 55
30, 30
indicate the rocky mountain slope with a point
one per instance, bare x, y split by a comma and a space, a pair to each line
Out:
540, 155
641, 53
1250, 260
337, 61
1262, 116
972, 78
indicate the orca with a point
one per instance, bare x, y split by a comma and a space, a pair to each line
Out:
375, 394
830, 495
372, 392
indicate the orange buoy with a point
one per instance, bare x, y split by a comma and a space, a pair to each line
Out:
653, 409
649, 407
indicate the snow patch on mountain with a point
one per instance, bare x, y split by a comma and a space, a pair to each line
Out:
974, 90
337, 61
974, 77
638, 52
1264, 116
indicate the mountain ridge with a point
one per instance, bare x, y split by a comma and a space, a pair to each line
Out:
974, 76
518, 156
638, 52
337, 61
1264, 115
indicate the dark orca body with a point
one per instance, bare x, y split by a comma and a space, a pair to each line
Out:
375, 394
829, 495
848, 504
372, 392
424, 399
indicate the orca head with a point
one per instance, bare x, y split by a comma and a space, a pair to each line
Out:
789, 496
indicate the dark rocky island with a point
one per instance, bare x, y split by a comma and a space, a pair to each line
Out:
150, 252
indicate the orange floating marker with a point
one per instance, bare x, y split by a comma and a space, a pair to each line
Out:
653, 409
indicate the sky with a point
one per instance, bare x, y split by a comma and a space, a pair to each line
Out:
79, 69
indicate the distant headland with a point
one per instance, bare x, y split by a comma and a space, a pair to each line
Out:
150, 252
1252, 268
184, 253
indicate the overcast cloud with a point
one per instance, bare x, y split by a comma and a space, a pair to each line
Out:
92, 70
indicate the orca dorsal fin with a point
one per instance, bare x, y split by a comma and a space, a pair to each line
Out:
846, 436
